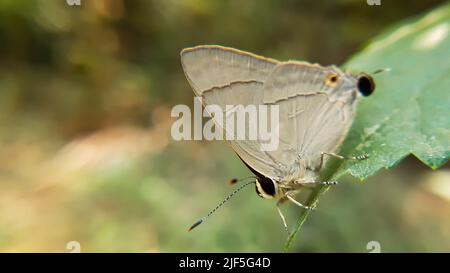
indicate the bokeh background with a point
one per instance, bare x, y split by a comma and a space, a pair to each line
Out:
85, 148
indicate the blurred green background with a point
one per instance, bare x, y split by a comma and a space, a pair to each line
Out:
85, 148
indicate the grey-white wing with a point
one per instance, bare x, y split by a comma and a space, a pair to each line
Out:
226, 76
208, 67
314, 117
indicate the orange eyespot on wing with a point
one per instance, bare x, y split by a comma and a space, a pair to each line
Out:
332, 80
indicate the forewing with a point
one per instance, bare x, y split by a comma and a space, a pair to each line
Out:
225, 76
208, 67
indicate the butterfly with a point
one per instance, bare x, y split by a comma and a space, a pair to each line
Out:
316, 105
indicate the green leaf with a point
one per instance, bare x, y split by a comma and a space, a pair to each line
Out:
409, 113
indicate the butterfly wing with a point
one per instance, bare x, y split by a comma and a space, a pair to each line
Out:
314, 113
226, 76
208, 67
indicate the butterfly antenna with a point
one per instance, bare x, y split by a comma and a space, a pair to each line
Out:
381, 70
219, 205
235, 180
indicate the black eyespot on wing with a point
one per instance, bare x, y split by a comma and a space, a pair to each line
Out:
267, 185
365, 85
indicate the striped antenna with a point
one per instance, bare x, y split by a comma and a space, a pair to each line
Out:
235, 180
221, 203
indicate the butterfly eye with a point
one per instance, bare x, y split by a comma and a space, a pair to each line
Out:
365, 85
332, 80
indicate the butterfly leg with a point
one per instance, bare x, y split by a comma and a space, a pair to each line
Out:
298, 203
281, 214
328, 183
360, 157
322, 154
312, 184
